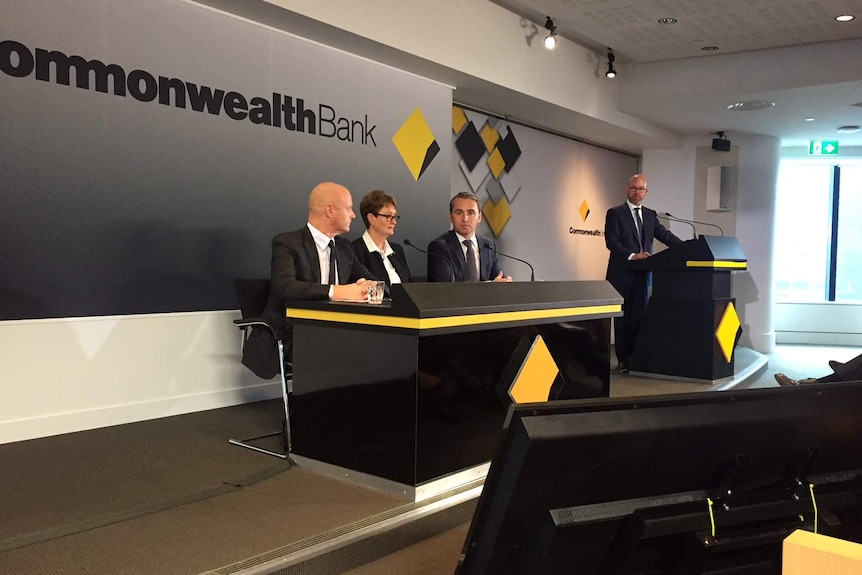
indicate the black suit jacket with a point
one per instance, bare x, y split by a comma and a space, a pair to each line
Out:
374, 261
621, 238
446, 249
295, 275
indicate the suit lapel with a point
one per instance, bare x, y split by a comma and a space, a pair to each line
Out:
456, 255
484, 260
311, 253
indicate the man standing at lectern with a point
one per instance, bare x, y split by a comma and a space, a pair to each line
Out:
629, 232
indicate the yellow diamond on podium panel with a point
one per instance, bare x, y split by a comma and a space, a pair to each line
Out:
536, 376
728, 329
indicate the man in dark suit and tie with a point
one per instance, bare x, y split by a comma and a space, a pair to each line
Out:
629, 232
309, 263
460, 255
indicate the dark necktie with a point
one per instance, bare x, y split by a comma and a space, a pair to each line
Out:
472, 272
640, 225
332, 263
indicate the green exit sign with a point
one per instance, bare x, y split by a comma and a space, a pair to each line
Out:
823, 148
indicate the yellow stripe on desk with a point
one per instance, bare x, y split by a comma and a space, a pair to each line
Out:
451, 321
715, 264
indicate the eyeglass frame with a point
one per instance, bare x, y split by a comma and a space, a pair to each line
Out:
389, 217
638, 188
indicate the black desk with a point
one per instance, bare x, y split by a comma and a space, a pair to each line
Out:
409, 390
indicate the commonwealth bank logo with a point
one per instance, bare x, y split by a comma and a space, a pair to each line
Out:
416, 144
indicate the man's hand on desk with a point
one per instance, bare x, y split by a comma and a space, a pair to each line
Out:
353, 292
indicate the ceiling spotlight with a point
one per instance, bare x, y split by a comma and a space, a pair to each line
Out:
612, 72
551, 38
845, 18
667, 20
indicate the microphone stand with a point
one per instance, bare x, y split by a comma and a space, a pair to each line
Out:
673, 219
721, 231
532, 273
442, 257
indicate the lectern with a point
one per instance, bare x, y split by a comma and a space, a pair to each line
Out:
690, 326
407, 391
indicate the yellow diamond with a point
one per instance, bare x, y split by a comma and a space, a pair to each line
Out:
728, 328
536, 376
490, 136
496, 163
497, 215
459, 119
584, 210
416, 144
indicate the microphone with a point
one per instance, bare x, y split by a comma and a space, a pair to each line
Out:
442, 257
670, 217
721, 231
532, 273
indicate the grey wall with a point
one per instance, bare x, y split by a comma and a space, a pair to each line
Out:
112, 204
545, 188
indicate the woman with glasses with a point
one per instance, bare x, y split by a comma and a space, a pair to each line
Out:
383, 259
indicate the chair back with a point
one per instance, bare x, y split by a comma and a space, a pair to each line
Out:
252, 294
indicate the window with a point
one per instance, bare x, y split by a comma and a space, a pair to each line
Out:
805, 217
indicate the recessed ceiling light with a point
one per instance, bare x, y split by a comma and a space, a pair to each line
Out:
848, 129
845, 18
750, 105
667, 20
809, 119
709, 48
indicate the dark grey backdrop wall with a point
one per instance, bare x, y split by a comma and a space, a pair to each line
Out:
119, 196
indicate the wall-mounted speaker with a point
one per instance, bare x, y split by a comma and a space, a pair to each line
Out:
721, 145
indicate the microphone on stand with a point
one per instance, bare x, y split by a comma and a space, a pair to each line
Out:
442, 257
670, 217
721, 231
532, 273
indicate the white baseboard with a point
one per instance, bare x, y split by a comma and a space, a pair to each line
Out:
105, 416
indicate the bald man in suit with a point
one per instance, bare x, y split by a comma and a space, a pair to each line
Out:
630, 229
300, 271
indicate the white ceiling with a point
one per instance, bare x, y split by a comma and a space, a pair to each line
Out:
791, 52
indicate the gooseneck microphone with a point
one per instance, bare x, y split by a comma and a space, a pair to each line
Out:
442, 257
532, 273
673, 219
721, 231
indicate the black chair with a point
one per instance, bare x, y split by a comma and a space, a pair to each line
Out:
252, 295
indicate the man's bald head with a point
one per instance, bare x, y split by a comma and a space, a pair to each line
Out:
330, 208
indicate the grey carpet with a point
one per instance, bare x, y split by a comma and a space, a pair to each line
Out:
171, 496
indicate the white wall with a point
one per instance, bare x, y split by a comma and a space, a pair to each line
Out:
672, 173
71, 374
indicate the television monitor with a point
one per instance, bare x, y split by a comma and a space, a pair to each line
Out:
694, 483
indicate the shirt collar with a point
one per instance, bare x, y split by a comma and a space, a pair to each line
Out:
462, 238
321, 240
372, 247
632, 206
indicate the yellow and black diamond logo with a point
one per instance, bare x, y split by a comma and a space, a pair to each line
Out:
728, 332
416, 144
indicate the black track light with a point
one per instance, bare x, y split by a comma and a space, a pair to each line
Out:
612, 72
551, 38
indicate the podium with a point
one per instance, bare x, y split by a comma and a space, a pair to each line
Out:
408, 391
690, 326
